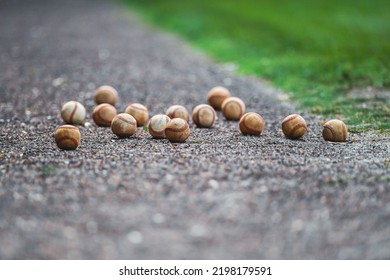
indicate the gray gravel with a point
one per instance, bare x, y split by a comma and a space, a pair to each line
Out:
219, 195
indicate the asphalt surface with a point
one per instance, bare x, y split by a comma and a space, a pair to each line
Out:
219, 195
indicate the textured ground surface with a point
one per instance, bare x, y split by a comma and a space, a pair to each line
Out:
220, 195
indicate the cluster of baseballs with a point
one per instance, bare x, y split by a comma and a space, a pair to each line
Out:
174, 124
293, 126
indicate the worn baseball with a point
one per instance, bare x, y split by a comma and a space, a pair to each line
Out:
203, 115
335, 131
73, 112
103, 114
294, 126
106, 94
233, 108
67, 137
139, 112
178, 111
157, 125
124, 125
251, 124
177, 130
216, 96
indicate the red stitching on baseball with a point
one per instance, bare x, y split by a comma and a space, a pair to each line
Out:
248, 128
173, 113
126, 121
98, 112
73, 112
136, 106
296, 127
74, 140
159, 132
331, 131
68, 127
156, 131
173, 129
293, 116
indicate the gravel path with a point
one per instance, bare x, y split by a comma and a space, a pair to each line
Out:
220, 195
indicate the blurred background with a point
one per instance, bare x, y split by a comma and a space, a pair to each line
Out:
332, 56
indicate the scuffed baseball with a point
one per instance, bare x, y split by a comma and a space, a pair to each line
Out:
178, 111
157, 125
203, 115
124, 125
233, 108
73, 112
335, 131
294, 126
139, 112
251, 124
67, 137
103, 114
216, 96
106, 94
177, 130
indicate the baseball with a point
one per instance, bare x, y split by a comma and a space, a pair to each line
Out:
178, 111
103, 114
335, 131
106, 94
252, 124
123, 125
216, 96
177, 130
157, 125
203, 115
233, 108
294, 126
67, 137
73, 112
139, 112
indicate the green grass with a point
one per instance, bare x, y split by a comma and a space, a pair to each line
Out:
316, 50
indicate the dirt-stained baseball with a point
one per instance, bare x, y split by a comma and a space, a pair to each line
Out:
252, 124
67, 137
178, 111
73, 112
203, 115
103, 114
216, 96
294, 126
106, 94
139, 112
157, 125
335, 131
177, 130
124, 125
233, 108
